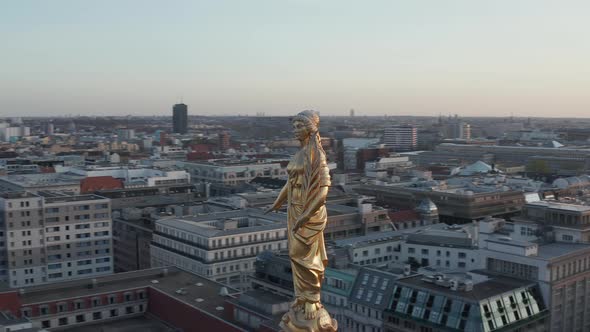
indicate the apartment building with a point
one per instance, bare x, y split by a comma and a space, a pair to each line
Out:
565, 222
221, 246
401, 138
49, 237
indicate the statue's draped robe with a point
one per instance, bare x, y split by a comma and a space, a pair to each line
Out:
308, 172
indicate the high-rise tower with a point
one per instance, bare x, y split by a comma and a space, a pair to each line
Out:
180, 118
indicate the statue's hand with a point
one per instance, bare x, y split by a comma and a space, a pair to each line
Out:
272, 208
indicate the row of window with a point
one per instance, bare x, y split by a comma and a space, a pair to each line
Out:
79, 254
79, 272
216, 243
461, 255
63, 321
78, 245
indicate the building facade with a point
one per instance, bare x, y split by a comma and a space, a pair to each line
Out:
221, 246
51, 237
180, 118
401, 138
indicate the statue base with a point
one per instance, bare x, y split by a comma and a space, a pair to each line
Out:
294, 321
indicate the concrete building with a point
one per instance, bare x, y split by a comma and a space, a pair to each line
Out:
132, 176
354, 217
443, 247
350, 148
385, 166
131, 243
224, 176
180, 118
10, 133
562, 270
41, 182
164, 299
126, 134
561, 222
547, 159
49, 237
401, 138
455, 205
224, 140
222, 246
460, 302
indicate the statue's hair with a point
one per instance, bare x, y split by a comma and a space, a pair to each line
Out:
310, 118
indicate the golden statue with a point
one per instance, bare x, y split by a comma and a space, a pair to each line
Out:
306, 192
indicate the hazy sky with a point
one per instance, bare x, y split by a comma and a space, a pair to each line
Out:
471, 57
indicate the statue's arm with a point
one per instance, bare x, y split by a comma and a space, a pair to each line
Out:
314, 206
280, 199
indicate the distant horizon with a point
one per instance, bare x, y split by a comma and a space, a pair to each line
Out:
225, 57
73, 116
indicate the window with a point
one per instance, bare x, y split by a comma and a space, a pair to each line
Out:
44, 310
96, 301
568, 238
411, 250
97, 315
26, 312
80, 318
85, 271
62, 321
114, 313
462, 255
103, 269
62, 306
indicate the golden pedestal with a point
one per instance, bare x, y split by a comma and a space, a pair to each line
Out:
294, 321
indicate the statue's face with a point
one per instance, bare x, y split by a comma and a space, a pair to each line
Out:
300, 130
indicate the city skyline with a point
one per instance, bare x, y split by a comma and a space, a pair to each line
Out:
229, 58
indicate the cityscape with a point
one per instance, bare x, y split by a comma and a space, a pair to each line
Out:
146, 152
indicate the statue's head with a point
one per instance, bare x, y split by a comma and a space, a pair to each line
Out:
305, 124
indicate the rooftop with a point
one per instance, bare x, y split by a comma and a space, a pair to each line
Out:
60, 197
358, 241
209, 224
43, 179
193, 290
495, 285
561, 206
558, 249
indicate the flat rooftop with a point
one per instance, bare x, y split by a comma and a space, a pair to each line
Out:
382, 236
59, 197
205, 225
237, 163
133, 324
558, 249
193, 287
496, 285
17, 194
561, 206
43, 179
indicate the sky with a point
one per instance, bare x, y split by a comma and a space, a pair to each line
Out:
227, 57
